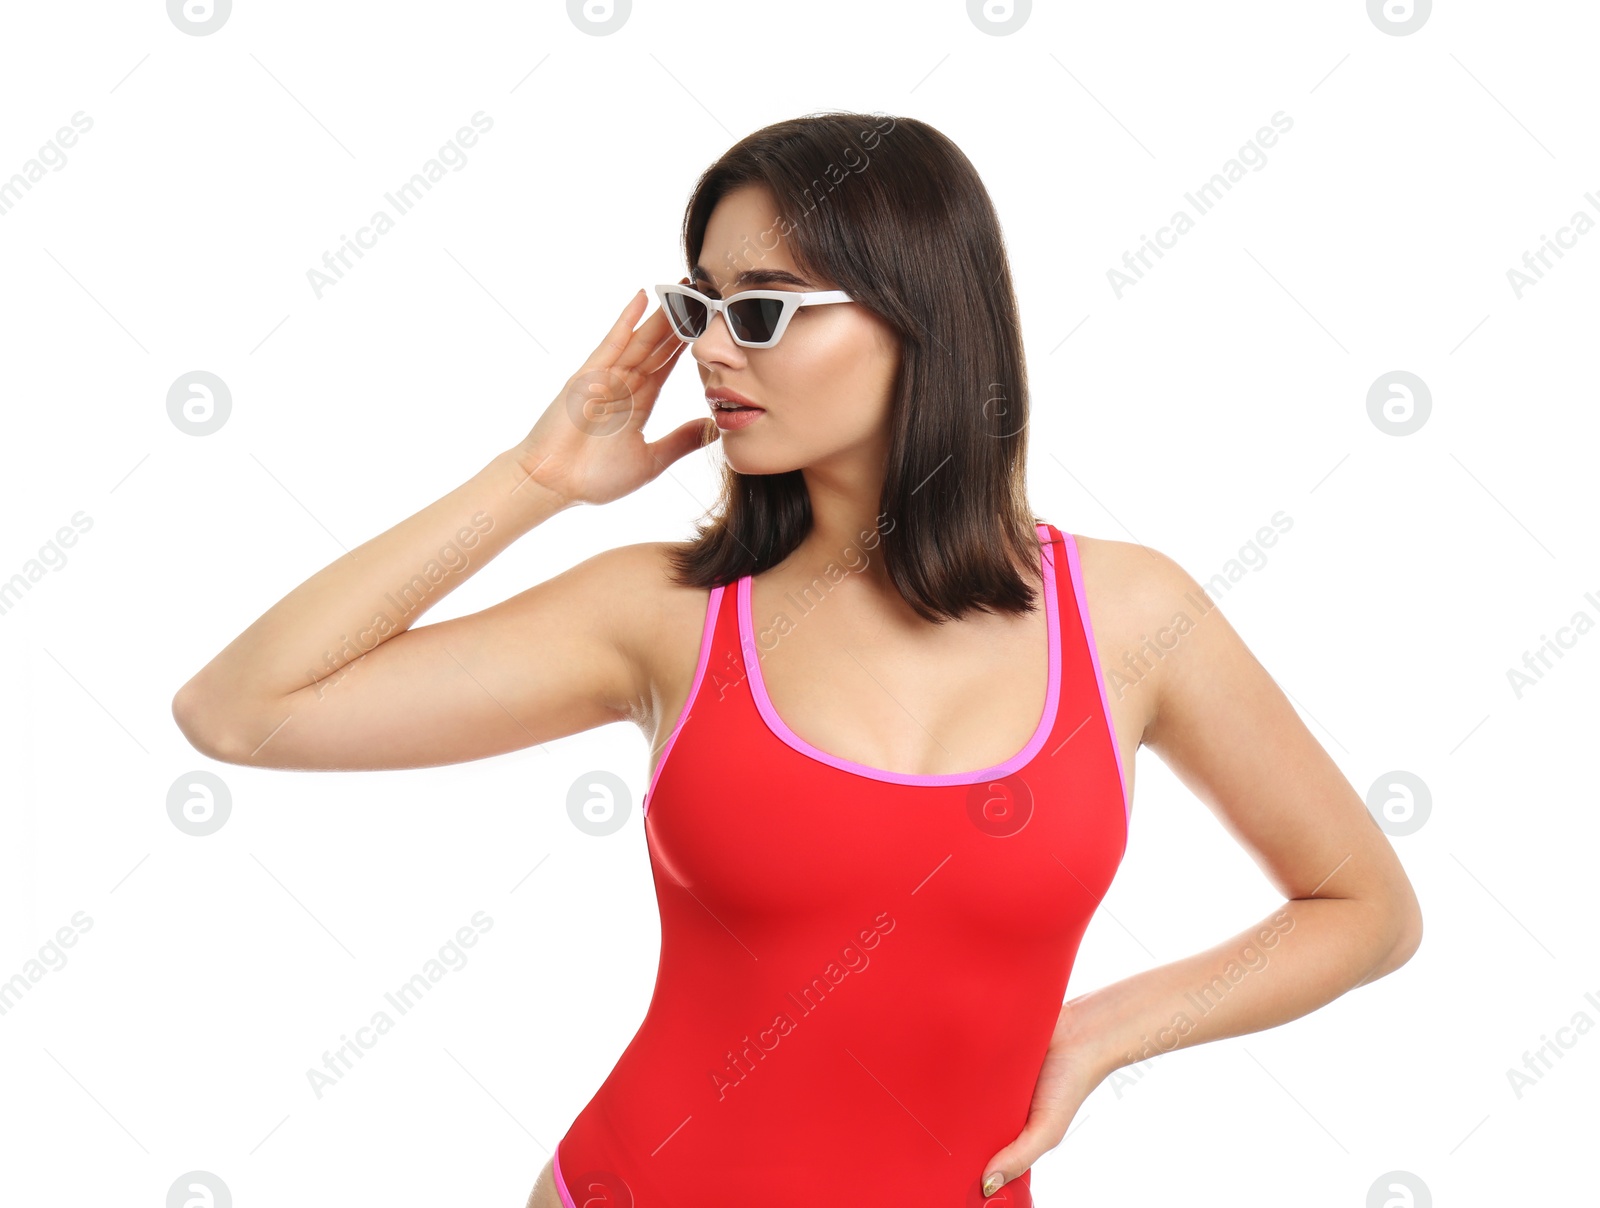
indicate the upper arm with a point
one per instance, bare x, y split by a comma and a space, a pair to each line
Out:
1228, 731
550, 661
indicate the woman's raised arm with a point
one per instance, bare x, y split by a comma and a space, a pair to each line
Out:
334, 675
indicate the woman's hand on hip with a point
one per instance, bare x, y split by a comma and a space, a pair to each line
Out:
1067, 1076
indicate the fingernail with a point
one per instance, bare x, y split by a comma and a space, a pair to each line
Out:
991, 1184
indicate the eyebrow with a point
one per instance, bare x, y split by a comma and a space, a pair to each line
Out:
755, 277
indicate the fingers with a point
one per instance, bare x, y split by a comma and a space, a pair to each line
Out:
617, 340
683, 440
647, 343
1031, 1144
626, 352
661, 356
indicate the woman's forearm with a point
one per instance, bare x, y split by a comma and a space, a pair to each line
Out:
364, 597
1300, 957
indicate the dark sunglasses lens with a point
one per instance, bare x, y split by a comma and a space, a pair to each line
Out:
688, 315
755, 319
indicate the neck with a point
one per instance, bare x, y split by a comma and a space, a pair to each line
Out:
846, 528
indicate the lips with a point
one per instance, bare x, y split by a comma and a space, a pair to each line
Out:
722, 399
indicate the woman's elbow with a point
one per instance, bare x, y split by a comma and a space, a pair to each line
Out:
1409, 938
1403, 937
199, 721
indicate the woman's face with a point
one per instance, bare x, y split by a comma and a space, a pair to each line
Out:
825, 387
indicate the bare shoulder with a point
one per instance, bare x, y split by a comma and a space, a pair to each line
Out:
656, 622
1141, 603
1135, 588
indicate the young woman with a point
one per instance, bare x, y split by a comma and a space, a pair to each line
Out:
892, 715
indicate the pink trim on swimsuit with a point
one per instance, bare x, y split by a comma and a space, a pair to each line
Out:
713, 606
1094, 656
787, 850
775, 723
561, 1183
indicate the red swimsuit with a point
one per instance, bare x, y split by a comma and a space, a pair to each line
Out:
860, 970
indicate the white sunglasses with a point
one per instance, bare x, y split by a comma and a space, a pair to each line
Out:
756, 318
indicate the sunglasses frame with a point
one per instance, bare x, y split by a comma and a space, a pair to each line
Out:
791, 299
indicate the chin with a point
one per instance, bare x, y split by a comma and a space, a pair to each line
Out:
757, 460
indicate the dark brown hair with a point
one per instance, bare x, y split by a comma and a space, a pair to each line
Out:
894, 213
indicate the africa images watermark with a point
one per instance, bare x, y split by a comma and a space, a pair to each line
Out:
1203, 200
1138, 662
337, 1063
452, 154
1254, 957
52, 155
1538, 661
1538, 1063
51, 556
742, 1062
809, 597
421, 589
1535, 263
50, 959
854, 162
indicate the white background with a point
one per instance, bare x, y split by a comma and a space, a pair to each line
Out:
1226, 386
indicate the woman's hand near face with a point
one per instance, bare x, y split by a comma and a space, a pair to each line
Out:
589, 445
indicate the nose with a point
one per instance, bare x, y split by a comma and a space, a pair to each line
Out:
717, 343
